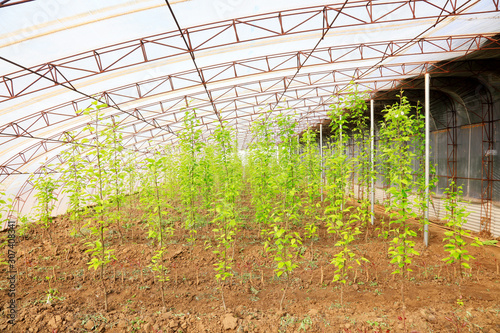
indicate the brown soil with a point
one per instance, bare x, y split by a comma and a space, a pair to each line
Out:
372, 296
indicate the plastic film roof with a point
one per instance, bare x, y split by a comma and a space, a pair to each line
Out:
291, 56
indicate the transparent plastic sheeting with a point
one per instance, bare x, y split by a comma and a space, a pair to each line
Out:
45, 31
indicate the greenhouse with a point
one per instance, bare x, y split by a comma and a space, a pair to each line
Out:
284, 166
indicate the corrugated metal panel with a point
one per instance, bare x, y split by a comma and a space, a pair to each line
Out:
437, 212
495, 226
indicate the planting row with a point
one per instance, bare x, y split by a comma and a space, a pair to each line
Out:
284, 175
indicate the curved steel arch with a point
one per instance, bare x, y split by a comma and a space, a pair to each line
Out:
224, 95
56, 70
27, 126
259, 65
289, 22
26, 189
374, 84
24, 193
7, 3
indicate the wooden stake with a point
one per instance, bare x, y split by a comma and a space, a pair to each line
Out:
197, 276
321, 280
54, 273
114, 274
26, 264
262, 277
498, 268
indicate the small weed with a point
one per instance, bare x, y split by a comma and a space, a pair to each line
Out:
305, 324
136, 324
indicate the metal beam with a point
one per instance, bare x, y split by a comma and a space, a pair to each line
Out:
166, 45
372, 160
427, 159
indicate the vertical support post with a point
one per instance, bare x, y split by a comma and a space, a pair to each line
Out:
427, 138
342, 151
298, 144
372, 166
486, 161
321, 157
341, 130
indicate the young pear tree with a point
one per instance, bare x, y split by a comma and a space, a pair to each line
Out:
97, 176
45, 185
190, 146
398, 127
73, 178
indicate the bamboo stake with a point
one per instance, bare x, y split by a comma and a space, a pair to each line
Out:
26, 265
321, 280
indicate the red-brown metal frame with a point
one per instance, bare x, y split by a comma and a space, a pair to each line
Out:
262, 93
267, 94
486, 163
324, 105
27, 125
291, 22
6, 3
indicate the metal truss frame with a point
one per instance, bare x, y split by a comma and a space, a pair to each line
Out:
309, 94
71, 69
6, 3
232, 100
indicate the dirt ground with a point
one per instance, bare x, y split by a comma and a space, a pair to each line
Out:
372, 296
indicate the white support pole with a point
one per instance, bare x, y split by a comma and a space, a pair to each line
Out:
372, 166
427, 138
341, 129
298, 143
321, 157
341, 152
